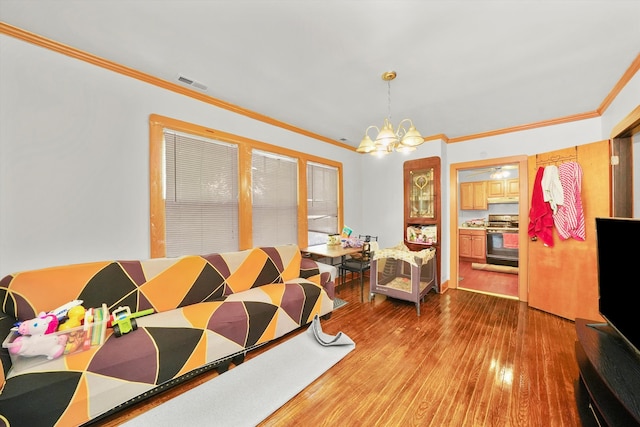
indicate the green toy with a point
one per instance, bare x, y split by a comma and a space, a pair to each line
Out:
124, 321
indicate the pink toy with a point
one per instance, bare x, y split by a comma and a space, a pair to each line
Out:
50, 345
38, 338
41, 325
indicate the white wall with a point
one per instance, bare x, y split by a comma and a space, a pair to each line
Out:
74, 174
383, 193
74, 163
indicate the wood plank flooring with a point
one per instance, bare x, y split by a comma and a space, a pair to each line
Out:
487, 281
470, 359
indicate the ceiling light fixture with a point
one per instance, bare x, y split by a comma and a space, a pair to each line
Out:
388, 140
499, 173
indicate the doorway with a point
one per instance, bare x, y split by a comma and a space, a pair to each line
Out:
479, 276
488, 230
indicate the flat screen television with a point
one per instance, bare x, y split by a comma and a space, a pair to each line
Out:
619, 276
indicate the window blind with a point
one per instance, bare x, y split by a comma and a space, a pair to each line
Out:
201, 195
322, 198
275, 199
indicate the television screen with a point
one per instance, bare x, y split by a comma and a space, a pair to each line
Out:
617, 280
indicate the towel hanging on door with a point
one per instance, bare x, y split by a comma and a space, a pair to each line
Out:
569, 219
540, 214
552, 187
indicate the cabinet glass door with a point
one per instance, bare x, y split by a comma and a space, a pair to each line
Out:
421, 195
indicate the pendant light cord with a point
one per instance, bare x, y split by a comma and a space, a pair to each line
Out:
389, 99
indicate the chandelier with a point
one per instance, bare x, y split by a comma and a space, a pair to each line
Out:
387, 140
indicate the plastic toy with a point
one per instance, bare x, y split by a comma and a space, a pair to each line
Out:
50, 345
37, 338
63, 311
75, 338
124, 321
41, 325
75, 316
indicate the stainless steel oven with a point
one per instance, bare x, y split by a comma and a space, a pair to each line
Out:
502, 240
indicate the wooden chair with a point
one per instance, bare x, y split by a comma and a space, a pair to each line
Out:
403, 274
359, 262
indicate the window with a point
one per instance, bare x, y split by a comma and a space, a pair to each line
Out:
274, 186
212, 191
201, 195
322, 202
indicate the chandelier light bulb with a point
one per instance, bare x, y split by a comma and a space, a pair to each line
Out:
401, 148
412, 137
366, 145
386, 136
388, 140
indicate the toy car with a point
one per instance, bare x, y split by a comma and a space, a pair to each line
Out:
124, 321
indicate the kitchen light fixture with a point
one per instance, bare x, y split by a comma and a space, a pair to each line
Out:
387, 139
499, 173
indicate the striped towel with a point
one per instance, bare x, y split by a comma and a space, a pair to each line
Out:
569, 219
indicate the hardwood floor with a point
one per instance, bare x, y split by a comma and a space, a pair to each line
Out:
470, 359
503, 284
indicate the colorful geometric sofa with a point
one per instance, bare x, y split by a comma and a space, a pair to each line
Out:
209, 309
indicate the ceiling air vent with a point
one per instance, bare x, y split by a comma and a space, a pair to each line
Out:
192, 82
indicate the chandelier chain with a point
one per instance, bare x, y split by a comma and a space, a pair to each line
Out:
389, 99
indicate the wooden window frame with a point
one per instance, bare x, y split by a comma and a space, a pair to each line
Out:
158, 123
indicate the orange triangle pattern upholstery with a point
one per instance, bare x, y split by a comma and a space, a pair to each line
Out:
207, 308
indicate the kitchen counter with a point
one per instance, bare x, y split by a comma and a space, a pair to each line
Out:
467, 227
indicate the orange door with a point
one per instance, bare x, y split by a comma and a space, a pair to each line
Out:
563, 278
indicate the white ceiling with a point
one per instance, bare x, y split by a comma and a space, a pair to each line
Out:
464, 67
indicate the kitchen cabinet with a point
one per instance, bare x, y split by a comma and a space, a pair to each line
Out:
503, 188
473, 245
473, 195
496, 188
512, 187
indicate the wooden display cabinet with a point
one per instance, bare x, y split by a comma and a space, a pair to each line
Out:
422, 198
